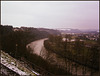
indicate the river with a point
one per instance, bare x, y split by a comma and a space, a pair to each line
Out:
38, 48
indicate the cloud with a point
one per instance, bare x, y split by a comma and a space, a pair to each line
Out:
51, 14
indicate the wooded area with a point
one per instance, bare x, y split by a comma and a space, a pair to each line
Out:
76, 51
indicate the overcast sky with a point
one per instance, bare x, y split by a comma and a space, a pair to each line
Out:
51, 14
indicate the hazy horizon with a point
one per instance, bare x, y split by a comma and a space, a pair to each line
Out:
51, 14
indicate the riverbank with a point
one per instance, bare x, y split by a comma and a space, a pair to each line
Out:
38, 48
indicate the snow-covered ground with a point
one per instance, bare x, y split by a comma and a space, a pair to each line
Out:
15, 66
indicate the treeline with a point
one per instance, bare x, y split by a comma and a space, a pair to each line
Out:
51, 31
76, 51
44, 64
14, 41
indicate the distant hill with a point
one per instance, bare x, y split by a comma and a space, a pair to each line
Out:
69, 30
50, 31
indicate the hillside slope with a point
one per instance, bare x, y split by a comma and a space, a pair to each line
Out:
15, 65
